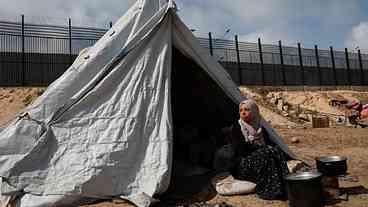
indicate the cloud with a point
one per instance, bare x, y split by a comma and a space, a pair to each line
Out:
312, 21
239, 15
269, 36
358, 36
83, 12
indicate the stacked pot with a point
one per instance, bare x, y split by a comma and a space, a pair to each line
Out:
308, 189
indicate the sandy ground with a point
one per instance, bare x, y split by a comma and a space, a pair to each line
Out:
343, 141
346, 141
13, 100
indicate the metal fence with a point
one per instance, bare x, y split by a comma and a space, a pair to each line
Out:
34, 54
266, 64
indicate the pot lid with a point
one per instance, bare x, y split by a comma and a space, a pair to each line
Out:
331, 158
303, 175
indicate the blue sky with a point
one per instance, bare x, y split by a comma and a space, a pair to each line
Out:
339, 23
329, 22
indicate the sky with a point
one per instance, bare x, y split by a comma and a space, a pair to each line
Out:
338, 23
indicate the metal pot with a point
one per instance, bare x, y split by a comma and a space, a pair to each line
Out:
304, 189
332, 165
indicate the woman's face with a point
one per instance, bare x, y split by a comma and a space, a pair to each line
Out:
245, 113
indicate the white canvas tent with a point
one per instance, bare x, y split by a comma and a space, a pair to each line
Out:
105, 127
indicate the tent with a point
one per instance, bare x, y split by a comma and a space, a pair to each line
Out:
105, 127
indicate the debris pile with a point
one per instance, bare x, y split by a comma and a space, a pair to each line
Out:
304, 107
296, 112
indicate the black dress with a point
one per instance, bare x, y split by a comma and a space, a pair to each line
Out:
263, 165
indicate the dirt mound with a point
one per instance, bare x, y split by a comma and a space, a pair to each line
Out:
14, 100
320, 101
298, 107
269, 112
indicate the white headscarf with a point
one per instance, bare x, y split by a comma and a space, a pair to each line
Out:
252, 131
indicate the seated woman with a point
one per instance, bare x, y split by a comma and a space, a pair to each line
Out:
251, 159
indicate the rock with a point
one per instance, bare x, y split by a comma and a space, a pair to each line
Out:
363, 196
310, 117
27, 100
295, 140
304, 117
285, 114
269, 96
340, 120
278, 96
254, 96
280, 104
39, 92
285, 107
292, 112
11, 100
273, 100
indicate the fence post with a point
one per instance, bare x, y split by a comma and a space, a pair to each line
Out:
282, 64
110, 24
348, 66
301, 63
70, 41
333, 65
238, 60
361, 68
23, 54
318, 65
261, 60
210, 43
